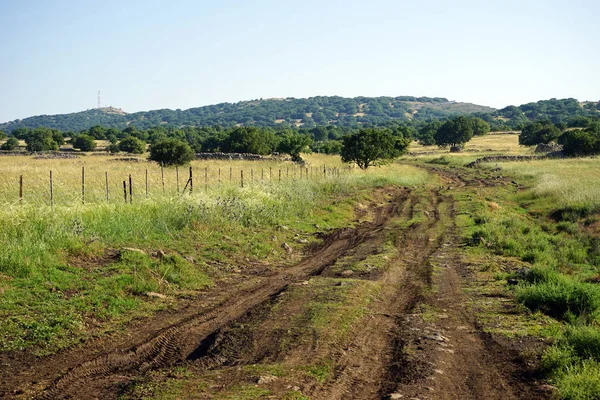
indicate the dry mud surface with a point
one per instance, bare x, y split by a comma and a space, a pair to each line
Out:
393, 352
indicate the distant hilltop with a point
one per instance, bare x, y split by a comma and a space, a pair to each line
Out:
313, 111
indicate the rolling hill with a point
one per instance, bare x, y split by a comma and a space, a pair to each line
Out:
310, 112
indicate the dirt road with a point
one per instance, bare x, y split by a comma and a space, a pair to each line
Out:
393, 351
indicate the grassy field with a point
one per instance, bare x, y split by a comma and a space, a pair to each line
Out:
64, 272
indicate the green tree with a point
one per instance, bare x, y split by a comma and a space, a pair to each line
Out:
2, 135
98, 132
293, 144
41, 139
10, 144
84, 143
581, 143
454, 132
371, 147
112, 148
132, 145
249, 139
480, 127
538, 132
426, 134
171, 152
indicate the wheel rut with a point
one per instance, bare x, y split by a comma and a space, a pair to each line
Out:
105, 376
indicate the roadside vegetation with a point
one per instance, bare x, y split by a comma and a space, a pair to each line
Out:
73, 270
551, 231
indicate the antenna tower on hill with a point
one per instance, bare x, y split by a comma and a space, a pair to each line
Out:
99, 99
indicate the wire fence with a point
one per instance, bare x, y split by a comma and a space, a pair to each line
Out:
129, 182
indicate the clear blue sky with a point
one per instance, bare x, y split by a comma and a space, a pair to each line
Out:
147, 54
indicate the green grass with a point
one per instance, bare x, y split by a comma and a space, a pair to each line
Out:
63, 276
548, 228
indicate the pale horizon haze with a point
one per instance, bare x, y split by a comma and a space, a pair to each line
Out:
145, 55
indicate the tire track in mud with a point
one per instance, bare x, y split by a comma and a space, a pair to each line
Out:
104, 376
374, 361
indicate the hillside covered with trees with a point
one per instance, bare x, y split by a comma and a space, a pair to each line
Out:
315, 111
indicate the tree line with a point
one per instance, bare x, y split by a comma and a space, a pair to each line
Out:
291, 113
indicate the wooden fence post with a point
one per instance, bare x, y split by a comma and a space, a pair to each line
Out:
191, 181
146, 182
106, 176
162, 175
82, 185
219, 176
125, 191
242, 178
270, 174
130, 191
279, 174
51, 191
21, 190
177, 177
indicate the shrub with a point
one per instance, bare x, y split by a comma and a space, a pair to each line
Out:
585, 341
171, 152
537, 133
84, 143
561, 298
581, 143
132, 145
10, 144
581, 382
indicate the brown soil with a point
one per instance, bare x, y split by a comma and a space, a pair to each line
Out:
392, 353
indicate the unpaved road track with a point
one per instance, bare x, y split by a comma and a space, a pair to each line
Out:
393, 352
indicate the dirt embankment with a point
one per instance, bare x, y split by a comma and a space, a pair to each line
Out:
393, 351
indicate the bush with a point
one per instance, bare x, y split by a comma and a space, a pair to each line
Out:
10, 144
562, 298
581, 382
113, 148
580, 143
84, 143
171, 152
537, 133
132, 145
585, 341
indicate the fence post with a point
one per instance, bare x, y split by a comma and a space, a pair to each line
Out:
205, 178
177, 177
51, 191
306, 173
146, 182
262, 174
82, 185
270, 174
191, 180
162, 175
130, 191
279, 174
287, 172
230, 174
125, 191
242, 178
324, 171
21, 190
106, 175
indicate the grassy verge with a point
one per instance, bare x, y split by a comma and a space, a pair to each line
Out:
70, 272
542, 250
